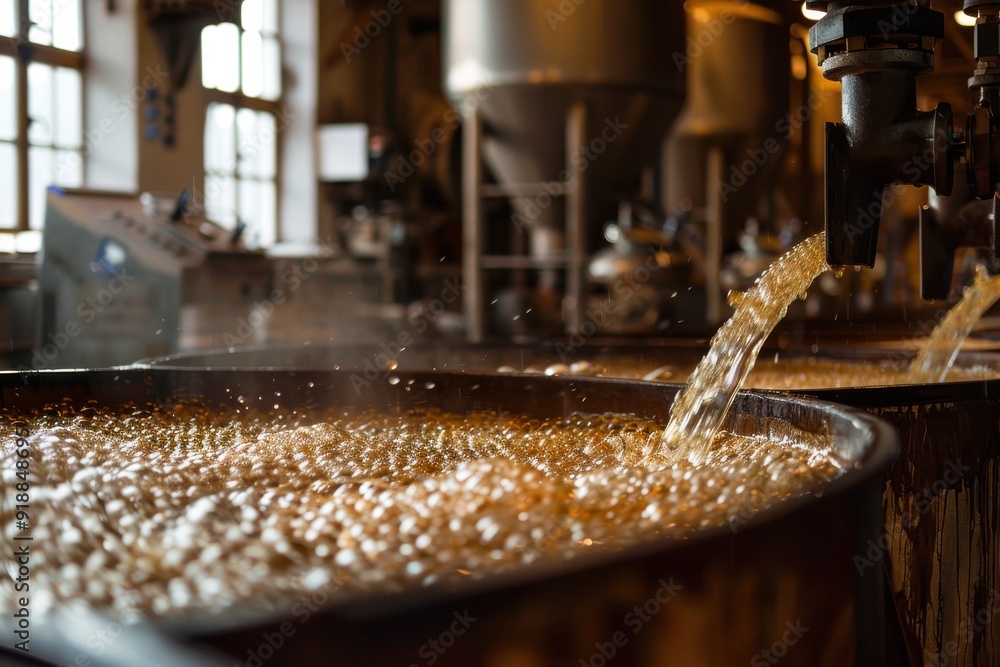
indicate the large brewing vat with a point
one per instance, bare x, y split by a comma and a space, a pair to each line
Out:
789, 567
940, 504
941, 544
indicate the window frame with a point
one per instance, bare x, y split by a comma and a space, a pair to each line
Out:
239, 100
25, 52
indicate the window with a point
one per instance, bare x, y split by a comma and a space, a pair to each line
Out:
240, 170
41, 106
241, 73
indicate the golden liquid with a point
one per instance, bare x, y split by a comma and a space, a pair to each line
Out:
198, 509
938, 353
699, 410
823, 373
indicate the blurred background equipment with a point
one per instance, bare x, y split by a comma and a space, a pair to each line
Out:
539, 156
125, 277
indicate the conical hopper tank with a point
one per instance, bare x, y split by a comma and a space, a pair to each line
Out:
527, 62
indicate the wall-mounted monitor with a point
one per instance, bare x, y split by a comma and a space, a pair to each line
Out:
343, 152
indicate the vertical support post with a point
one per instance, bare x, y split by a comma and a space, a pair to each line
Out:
713, 236
473, 296
574, 303
21, 86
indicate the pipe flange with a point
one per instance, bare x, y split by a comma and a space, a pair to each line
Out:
829, 5
850, 29
988, 79
973, 7
840, 65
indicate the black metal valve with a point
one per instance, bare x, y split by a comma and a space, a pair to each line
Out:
964, 222
877, 52
877, 49
981, 135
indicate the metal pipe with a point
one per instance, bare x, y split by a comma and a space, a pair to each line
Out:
876, 52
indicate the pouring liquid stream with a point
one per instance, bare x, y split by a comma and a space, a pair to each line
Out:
701, 407
939, 352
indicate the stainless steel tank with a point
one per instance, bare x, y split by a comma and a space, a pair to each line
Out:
527, 62
738, 73
725, 154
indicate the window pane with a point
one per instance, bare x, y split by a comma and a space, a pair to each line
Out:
272, 69
270, 24
8, 99
257, 210
249, 198
40, 131
267, 156
220, 57
28, 241
39, 178
69, 133
220, 199
66, 32
8, 18
268, 213
40, 31
220, 139
252, 15
257, 144
8, 186
247, 141
68, 170
209, 65
253, 64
